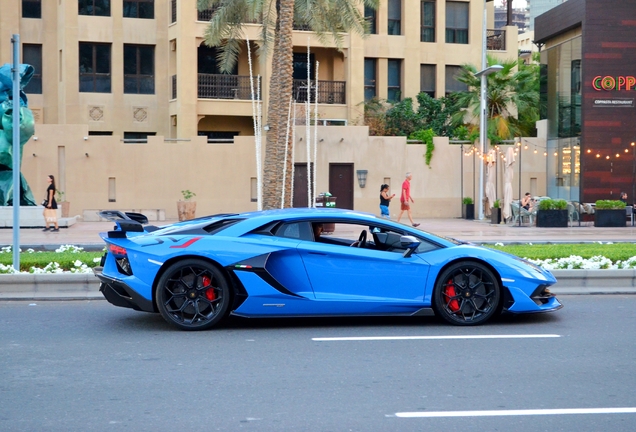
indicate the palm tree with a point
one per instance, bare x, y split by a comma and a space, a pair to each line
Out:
513, 99
328, 18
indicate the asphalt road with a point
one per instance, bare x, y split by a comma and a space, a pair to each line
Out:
89, 366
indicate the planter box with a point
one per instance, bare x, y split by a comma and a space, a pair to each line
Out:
66, 208
468, 211
495, 216
552, 218
186, 210
610, 218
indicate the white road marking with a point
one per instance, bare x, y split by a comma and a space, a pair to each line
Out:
384, 338
529, 412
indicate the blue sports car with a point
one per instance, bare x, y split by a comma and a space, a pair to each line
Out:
310, 262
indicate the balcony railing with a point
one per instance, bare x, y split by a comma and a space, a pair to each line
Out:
496, 40
225, 86
329, 92
206, 15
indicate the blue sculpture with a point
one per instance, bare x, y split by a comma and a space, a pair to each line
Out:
27, 127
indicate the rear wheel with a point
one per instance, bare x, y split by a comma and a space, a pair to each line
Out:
467, 293
193, 295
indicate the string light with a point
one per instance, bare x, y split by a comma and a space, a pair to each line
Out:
556, 154
606, 157
545, 153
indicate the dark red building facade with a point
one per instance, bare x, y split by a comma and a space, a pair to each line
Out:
588, 90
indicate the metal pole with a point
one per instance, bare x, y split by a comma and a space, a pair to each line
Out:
461, 176
520, 184
15, 40
482, 115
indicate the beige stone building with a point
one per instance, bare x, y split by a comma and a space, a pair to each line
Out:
136, 72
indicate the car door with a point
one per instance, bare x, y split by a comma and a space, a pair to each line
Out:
339, 272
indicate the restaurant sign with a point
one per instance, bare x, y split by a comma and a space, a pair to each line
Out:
610, 83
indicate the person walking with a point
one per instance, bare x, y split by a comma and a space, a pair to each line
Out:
50, 205
406, 199
385, 200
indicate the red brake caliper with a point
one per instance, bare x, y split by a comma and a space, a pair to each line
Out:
209, 293
450, 292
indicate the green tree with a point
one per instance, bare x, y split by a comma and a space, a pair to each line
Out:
328, 18
513, 99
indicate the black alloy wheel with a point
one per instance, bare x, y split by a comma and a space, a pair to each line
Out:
467, 293
193, 295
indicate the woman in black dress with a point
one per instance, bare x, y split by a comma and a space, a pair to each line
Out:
50, 204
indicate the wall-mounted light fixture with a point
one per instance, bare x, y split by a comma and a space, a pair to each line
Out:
86, 154
362, 177
300, 139
35, 138
266, 128
34, 155
341, 139
85, 138
322, 139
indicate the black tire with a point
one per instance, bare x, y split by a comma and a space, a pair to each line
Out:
467, 293
192, 295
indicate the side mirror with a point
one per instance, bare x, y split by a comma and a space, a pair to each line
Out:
410, 243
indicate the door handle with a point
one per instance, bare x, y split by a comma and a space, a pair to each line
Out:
317, 253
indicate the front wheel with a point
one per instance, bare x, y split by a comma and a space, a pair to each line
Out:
467, 293
193, 295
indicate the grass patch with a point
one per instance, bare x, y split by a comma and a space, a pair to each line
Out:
66, 260
614, 251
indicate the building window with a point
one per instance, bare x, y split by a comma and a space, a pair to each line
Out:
93, 7
370, 15
370, 70
395, 17
394, 87
452, 85
219, 137
137, 137
139, 9
94, 67
32, 55
31, 8
427, 79
457, 22
139, 69
427, 10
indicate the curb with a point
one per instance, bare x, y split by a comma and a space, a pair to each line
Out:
53, 286
85, 286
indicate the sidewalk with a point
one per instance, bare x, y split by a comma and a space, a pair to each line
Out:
86, 234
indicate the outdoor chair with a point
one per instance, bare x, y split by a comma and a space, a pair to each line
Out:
573, 214
521, 212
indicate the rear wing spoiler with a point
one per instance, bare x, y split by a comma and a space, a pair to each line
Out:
126, 222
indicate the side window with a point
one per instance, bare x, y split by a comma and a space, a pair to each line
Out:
295, 230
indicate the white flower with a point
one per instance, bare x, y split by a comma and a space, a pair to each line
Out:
499, 244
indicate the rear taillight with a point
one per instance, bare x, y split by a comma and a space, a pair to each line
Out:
118, 251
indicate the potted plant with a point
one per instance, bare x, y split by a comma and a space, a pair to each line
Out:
552, 213
495, 212
186, 208
609, 213
65, 206
468, 208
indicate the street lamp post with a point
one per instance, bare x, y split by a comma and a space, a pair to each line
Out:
483, 98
